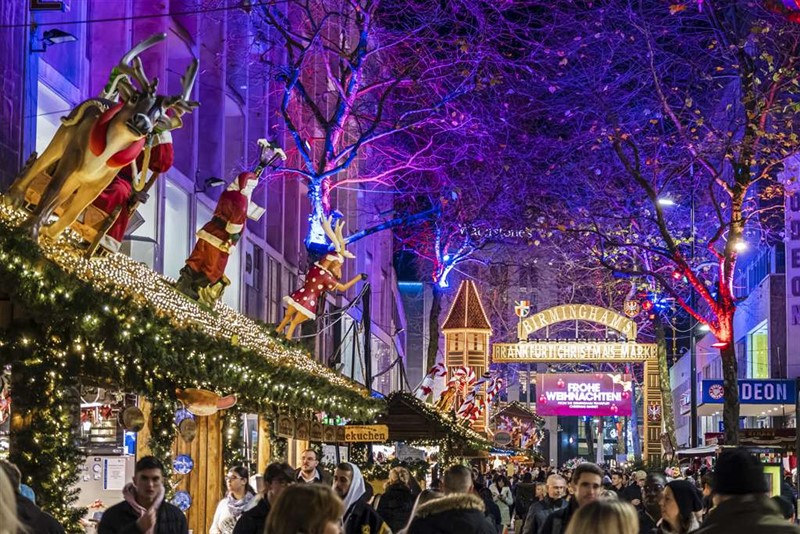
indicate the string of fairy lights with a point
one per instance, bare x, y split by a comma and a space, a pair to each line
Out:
122, 278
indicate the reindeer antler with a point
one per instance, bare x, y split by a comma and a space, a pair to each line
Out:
335, 235
181, 104
136, 71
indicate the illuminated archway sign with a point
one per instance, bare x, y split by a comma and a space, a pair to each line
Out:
561, 351
577, 312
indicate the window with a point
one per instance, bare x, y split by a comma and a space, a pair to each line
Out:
50, 108
273, 290
176, 229
758, 352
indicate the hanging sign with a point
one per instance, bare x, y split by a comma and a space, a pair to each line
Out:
632, 308
366, 433
790, 178
329, 434
284, 426
316, 433
302, 429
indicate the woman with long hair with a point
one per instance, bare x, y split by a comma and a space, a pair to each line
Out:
501, 494
238, 499
604, 517
678, 505
305, 509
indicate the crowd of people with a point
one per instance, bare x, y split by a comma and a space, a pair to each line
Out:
731, 499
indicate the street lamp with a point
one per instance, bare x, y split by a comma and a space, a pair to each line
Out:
666, 202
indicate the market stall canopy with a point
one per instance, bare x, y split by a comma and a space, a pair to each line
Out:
118, 320
519, 411
710, 450
413, 421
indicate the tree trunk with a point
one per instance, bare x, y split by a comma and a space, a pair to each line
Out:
667, 413
316, 241
730, 411
433, 327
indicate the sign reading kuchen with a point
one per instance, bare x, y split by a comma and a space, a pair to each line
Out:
572, 351
583, 394
366, 433
752, 392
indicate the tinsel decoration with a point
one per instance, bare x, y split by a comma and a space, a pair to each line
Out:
162, 435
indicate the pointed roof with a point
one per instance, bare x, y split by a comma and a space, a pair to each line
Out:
467, 311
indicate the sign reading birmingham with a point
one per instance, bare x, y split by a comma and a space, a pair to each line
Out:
583, 394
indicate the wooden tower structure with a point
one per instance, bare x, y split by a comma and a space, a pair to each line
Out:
466, 332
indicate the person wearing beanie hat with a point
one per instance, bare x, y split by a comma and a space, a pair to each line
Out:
678, 506
740, 499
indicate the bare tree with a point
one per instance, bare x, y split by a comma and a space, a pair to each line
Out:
691, 104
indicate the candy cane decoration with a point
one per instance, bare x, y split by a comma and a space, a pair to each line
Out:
473, 406
470, 408
426, 386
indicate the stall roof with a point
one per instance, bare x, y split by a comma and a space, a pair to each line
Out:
520, 411
409, 419
709, 450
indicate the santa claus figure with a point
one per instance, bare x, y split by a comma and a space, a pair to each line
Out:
120, 198
203, 277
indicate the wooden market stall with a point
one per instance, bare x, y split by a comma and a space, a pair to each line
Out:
112, 323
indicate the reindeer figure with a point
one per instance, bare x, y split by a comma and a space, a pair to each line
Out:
322, 277
98, 138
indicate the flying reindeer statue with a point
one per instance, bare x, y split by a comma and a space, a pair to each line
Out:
323, 276
203, 277
97, 139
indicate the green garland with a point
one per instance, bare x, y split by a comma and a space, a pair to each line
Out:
138, 349
44, 447
162, 435
458, 432
232, 443
77, 330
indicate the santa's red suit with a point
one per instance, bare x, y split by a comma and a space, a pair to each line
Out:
120, 191
216, 239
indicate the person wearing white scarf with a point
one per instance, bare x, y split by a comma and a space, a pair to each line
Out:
359, 517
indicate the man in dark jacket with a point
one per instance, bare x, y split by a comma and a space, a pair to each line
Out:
554, 500
27, 512
650, 514
524, 497
359, 517
634, 492
740, 502
309, 471
276, 477
144, 507
587, 481
460, 511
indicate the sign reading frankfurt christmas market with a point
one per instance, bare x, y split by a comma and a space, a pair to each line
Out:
366, 433
583, 394
572, 351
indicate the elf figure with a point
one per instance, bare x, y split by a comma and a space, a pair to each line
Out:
323, 276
